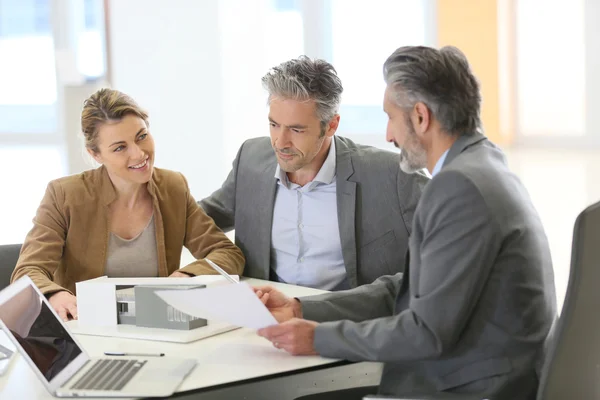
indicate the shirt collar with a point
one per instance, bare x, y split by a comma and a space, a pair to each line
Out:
325, 175
439, 164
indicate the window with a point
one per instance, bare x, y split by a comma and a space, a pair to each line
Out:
285, 39
90, 44
32, 151
551, 72
363, 35
357, 37
28, 81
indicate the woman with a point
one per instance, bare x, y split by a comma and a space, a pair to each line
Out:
125, 218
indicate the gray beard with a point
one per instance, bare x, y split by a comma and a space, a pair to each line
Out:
407, 165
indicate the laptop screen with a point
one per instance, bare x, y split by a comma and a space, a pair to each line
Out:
39, 332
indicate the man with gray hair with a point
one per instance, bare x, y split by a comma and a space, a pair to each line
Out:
310, 208
477, 300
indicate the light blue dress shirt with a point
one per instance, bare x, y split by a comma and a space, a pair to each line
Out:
305, 239
439, 164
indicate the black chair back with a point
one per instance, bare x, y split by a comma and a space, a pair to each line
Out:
9, 254
572, 366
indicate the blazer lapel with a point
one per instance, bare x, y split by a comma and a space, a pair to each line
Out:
266, 192
346, 210
161, 251
404, 286
406, 274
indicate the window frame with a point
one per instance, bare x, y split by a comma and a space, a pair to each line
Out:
358, 121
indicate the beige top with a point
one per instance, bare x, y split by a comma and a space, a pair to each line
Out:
69, 239
136, 257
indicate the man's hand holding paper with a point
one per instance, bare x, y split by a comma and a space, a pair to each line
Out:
293, 334
281, 306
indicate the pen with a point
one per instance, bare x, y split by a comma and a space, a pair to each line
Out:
111, 353
221, 271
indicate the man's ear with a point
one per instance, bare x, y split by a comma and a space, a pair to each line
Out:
333, 125
422, 118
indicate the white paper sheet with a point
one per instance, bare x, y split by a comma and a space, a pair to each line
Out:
235, 304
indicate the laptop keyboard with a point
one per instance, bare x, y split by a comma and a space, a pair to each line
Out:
109, 374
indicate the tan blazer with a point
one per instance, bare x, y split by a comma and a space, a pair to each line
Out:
69, 238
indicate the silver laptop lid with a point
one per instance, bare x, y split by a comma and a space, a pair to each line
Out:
39, 334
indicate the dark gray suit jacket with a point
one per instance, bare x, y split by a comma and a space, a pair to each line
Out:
473, 309
375, 207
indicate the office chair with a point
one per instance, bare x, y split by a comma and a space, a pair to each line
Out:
572, 366
9, 254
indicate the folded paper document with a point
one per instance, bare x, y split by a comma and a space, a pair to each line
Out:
234, 304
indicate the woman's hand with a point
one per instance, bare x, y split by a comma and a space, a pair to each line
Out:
178, 274
65, 304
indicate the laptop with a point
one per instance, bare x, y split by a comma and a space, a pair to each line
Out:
63, 366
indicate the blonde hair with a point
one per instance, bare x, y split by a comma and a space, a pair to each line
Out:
106, 105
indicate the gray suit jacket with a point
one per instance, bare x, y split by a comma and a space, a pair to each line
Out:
375, 207
472, 311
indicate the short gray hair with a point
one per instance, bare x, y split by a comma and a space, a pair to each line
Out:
442, 80
304, 79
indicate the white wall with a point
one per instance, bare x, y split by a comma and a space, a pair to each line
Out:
168, 59
244, 57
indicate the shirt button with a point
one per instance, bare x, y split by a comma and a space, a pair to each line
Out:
301, 259
301, 226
